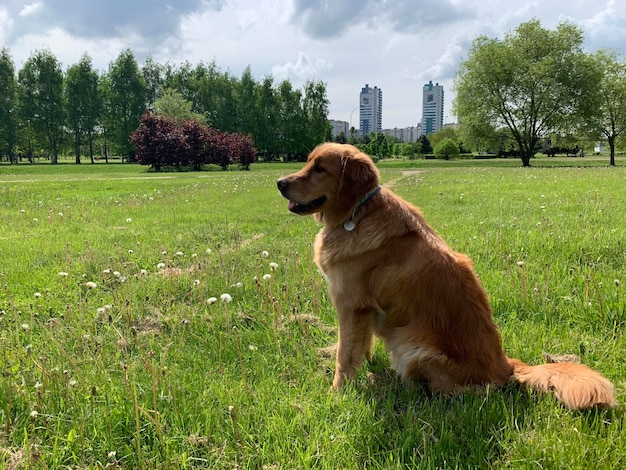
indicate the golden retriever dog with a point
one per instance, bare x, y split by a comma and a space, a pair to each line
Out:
390, 275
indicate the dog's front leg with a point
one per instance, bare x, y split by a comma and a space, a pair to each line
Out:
355, 341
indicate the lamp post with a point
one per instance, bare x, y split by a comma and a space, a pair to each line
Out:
351, 131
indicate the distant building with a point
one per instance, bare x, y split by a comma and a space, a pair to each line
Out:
404, 134
337, 127
371, 110
432, 108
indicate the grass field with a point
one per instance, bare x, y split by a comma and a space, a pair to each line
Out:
117, 350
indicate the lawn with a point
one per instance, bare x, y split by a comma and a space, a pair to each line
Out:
177, 321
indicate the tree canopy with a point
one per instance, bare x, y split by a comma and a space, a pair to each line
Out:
534, 82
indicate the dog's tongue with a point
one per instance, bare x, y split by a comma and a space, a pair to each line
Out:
291, 205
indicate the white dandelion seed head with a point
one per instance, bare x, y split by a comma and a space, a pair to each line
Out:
128, 220
226, 298
520, 264
38, 385
164, 252
22, 211
72, 382
60, 214
130, 252
195, 255
208, 251
35, 220
239, 285
63, 274
91, 285
34, 414
37, 295
106, 271
273, 266
180, 253
196, 282
101, 310
161, 266
266, 276
211, 300
265, 254
253, 347
117, 273
25, 326
144, 272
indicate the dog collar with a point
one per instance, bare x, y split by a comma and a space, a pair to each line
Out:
349, 225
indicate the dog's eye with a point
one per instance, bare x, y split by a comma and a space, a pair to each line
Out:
318, 168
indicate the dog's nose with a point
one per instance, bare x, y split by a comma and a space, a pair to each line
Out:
282, 185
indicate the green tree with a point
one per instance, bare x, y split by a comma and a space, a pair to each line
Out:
153, 76
267, 110
126, 102
611, 118
425, 144
291, 122
174, 105
40, 89
8, 103
446, 148
315, 106
535, 81
84, 103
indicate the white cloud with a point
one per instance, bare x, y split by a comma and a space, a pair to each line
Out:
30, 9
302, 69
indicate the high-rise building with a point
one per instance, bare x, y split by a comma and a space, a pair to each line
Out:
371, 110
432, 108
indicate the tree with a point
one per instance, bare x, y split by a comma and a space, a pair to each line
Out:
126, 101
84, 103
159, 142
40, 89
315, 106
173, 104
152, 73
446, 148
611, 118
535, 81
426, 147
8, 103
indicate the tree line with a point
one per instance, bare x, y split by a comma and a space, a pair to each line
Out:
45, 111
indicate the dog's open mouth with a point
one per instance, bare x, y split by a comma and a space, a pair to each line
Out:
306, 208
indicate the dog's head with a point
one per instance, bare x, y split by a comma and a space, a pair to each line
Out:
333, 180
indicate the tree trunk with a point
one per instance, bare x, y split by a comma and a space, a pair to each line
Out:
612, 150
77, 147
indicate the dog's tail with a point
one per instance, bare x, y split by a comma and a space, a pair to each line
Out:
575, 385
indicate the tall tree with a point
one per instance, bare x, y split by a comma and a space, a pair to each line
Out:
535, 81
291, 123
153, 76
84, 103
315, 106
8, 123
127, 101
41, 98
611, 118
267, 110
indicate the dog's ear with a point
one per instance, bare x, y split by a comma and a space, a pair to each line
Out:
359, 176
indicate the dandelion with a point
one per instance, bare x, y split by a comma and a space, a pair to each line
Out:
112, 455
34, 414
239, 285
130, 252
35, 220
211, 300
208, 251
196, 282
22, 211
273, 266
226, 298
128, 220
37, 295
106, 271
117, 273
60, 214
164, 252
63, 274
266, 276
91, 285
265, 254
180, 253
616, 282
101, 311
520, 264
144, 272
253, 347
195, 255
25, 326
72, 382
38, 385
161, 266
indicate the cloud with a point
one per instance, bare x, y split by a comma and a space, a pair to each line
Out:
332, 19
303, 69
30, 8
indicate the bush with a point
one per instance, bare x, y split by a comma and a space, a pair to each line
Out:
446, 148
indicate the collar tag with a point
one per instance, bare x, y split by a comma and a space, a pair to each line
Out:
349, 225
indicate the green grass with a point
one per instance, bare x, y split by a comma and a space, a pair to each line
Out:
142, 372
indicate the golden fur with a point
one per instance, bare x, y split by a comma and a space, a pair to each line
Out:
392, 276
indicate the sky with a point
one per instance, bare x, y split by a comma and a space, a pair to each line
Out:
396, 45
